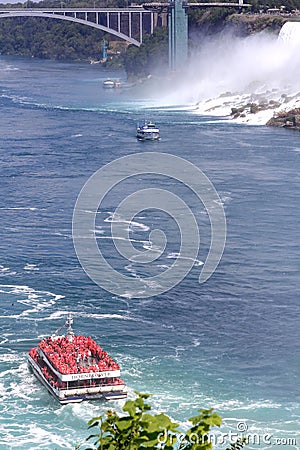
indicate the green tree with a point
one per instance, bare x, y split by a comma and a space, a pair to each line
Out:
138, 429
150, 56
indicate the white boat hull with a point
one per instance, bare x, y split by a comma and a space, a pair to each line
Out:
77, 395
147, 136
147, 132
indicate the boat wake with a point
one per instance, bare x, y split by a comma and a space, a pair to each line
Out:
23, 301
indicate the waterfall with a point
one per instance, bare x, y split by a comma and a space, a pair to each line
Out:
290, 33
229, 73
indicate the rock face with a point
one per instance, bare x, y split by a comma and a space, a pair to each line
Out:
245, 24
287, 119
253, 108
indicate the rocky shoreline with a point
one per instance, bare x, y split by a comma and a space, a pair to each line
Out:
283, 115
253, 108
287, 119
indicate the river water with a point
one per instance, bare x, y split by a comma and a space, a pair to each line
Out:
231, 343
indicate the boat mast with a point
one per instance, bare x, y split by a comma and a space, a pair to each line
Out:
69, 322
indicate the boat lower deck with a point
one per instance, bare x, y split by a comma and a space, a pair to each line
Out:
76, 394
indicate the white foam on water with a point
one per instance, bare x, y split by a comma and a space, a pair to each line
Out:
8, 68
58, 314
163, 266
150, 283
138, 225
31, 267
114, 217
37, 436
8, 357
146, 244
6, 271
174, 255
196, 342
21, 208
131, 270
99, 230
107, 316
229, 405
31, 301
102, 316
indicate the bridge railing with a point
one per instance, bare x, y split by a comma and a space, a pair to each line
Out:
130, 24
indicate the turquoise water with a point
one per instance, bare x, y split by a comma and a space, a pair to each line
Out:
231, 343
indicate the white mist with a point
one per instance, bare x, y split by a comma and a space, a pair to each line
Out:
229, 71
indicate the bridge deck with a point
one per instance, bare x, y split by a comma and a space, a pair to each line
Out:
142, 8
73, 10
157, 5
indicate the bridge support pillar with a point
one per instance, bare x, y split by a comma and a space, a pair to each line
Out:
178, 35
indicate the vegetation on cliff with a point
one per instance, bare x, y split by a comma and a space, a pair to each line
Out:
150, 56
246, 24
47, 38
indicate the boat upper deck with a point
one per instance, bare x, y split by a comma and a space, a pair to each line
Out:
77, 357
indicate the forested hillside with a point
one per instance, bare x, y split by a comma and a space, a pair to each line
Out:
48, 39
54, 39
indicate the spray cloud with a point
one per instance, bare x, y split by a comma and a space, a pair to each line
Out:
258, 65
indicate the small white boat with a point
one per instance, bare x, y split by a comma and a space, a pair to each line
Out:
108, 84
74, 368
147, 132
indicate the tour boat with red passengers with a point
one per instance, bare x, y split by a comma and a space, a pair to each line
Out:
75, 368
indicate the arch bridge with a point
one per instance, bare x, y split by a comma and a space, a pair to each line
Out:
132, 23
129, 24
